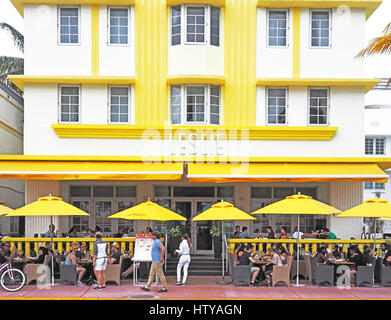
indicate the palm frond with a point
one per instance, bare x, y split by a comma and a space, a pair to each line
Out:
387, 29
10, 65
17, 37
379, 45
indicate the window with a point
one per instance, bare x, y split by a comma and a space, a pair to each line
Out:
119, 26
277, 28
374, 185
318, 106
124, 223
375, 146
282, 193
195, 24
80, 223
103, 191
69, 25
119, 104
276, 106
320, 28
69, 104
196, 104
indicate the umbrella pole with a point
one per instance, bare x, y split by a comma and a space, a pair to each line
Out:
222, 254
374, 238
51, 236
298, 254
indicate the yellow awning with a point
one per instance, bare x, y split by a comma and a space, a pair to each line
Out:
294, 172
89, 170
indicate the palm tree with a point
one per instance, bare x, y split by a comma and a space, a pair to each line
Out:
379, 45
12, 65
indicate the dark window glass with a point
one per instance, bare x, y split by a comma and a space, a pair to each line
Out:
194, 192
175, 25
225, 192
103, 191
282, 193
125, 191
80, 191
162, 191
308, 192
264, 193
214, 26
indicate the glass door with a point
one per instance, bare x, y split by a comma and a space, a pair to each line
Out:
103, 209
202, 242
184, 208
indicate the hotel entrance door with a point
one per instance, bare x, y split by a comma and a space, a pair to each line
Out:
199, 231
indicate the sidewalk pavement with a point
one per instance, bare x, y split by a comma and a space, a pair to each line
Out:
198, 288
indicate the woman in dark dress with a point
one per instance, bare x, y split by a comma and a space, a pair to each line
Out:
357, 257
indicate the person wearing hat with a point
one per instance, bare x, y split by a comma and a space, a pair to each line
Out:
72, 259
100, 260
115, 254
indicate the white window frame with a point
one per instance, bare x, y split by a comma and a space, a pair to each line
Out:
374, 146
286, 106
330, 28
59, 25
130, 17
287, 28
309, 106
207, 105
184, 25
130, 104
59, 102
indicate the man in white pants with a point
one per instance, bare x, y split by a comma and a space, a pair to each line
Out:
184, 260
100, 261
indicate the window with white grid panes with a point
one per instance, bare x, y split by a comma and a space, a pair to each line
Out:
375, 146
277, 28
318, 106
195, 104
320, 28
69, 104
119, 26
195, 24
119, 104
277, 104
69, 25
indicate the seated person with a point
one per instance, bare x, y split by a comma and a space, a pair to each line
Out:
72, 259
358, 258
322, 256
5, 252
82, 253
128, 271
383, 250
282, 253
283, 234
387, 259
115, 254
20, 254
246, 259
335, 252
367, 252
274, 260
239, 251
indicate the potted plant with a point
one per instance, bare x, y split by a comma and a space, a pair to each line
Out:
174, 239
215, 232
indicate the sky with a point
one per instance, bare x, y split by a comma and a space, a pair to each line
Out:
377, 66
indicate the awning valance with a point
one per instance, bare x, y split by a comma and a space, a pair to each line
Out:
89, 170
277, 172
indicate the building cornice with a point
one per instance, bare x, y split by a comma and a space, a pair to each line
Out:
219, 3
21, 80
195, 79
368, 84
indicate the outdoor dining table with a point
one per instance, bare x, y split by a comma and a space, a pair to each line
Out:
20, 263
343, 262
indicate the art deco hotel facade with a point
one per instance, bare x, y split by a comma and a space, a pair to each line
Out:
193, 101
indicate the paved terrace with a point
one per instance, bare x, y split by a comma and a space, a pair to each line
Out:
197, 288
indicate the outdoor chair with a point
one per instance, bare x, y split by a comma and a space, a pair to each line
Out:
113, 272
321, 273
385, 273
282, 273
366, 274
68, 273
302, 269
239, 273
307, 263
35, 271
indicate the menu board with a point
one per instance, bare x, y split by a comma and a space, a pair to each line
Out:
143, 247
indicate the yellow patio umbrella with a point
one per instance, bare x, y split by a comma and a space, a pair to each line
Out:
298, 204
148, 211
372, 208
4, 210
48, 206
223, 211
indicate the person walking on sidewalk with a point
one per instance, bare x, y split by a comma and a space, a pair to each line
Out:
157, 263
184, 260
100, 261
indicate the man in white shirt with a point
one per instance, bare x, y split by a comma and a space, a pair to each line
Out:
297, 234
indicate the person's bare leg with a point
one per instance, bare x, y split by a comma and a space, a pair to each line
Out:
81, 273
98, 277
103, 275
128, 271
255, 275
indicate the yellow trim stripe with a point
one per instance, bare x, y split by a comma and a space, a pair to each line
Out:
193, 79
369, 5
202, 132
368, 84
21, 80
296, 42
10, 129
94, 40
